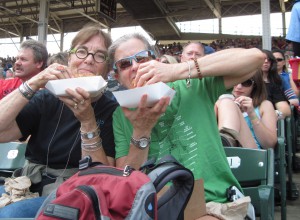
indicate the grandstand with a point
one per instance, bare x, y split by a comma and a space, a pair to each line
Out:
31, 18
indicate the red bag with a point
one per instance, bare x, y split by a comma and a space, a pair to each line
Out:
102, 192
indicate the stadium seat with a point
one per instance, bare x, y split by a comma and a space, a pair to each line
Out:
254, 169
280, 169
292, 191
12, 156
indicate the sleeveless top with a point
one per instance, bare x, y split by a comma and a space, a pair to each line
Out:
247, 118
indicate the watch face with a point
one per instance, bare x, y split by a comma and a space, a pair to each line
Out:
144, 142
90, 135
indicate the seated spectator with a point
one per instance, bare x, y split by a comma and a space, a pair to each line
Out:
31, 59
247, 118
192, 50
274, 85
288, 84
167, 59
9, 74
63, 129
1, 74
61, 58
186, 128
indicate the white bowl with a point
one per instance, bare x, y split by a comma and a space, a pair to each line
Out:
132, 97
95, 85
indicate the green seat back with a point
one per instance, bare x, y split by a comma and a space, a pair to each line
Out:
254, 169
12, 155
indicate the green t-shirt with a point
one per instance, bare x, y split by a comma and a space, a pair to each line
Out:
188, 130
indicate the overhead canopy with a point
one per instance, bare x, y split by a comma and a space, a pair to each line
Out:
158, 17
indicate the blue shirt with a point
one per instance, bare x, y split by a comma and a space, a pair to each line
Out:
294, 28
286, 86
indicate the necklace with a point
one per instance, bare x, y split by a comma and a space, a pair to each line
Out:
73, 145
48, 148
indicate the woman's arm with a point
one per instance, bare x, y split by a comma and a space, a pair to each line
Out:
266, 129
236, 65
12, 104
293, 85
143, 119
284, 108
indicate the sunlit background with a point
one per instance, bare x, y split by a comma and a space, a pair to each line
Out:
243, 25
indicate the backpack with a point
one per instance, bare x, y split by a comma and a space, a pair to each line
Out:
104, 192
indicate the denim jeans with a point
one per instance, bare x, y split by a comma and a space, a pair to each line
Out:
22, 209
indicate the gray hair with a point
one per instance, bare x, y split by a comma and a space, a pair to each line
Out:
112, 49
60, 57
189, 43
39, 50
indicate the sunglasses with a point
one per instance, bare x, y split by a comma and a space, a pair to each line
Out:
247, 83
279, 59
140, 57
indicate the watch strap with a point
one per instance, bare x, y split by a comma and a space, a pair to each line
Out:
137, 142
91, 134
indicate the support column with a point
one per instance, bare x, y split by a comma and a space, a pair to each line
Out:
266, 27
283, 24
62, 32
220, 25
43, 21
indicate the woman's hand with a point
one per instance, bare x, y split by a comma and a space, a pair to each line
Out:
79, 101
144, 118
53, 72
246, 104
154, 71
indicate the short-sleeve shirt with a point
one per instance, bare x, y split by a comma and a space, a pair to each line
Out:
188, 130
55, 131
8, 85
275, 93
293, 33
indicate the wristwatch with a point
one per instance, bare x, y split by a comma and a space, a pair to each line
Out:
90, 135
141, 143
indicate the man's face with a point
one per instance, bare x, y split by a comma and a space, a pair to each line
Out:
25, 66
192, 51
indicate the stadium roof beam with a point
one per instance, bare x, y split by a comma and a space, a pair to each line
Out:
216, 9
152, 16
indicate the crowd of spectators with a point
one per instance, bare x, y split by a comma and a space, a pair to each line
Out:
277, 43
175, 48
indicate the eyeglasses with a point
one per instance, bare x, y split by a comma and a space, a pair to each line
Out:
82, 53
279, 59
247, 83
140, 57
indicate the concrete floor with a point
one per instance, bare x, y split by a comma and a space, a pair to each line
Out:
293, 207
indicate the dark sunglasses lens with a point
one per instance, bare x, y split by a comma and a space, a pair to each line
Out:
247, 83
143, 56
279, 59
141, 59
123, 64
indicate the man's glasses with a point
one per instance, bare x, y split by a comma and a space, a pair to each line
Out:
82, 53
247, 83
140, 57
279, 59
